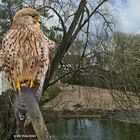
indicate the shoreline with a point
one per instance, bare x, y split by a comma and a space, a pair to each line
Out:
92, 102
125, 116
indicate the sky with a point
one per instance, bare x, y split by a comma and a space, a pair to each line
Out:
129, 16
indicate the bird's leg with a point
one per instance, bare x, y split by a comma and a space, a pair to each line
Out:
18, 86
31, 83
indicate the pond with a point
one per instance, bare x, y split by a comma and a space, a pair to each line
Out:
93, 129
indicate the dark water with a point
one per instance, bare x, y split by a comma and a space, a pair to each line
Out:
93, 129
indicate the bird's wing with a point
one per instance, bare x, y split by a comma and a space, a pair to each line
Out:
7, 52
49, 46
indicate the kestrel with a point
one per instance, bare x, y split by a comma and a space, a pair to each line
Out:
25, 52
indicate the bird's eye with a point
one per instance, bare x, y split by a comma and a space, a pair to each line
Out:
37, 18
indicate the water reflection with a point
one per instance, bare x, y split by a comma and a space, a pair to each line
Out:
93, 129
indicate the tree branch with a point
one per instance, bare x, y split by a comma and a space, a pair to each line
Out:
88, 18
107, 22
87, 36
58, 15
72, 71
66, 42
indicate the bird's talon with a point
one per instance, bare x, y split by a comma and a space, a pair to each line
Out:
31, 84
18, 86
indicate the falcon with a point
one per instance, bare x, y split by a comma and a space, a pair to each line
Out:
25, 53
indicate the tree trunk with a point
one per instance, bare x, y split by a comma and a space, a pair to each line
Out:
30, 122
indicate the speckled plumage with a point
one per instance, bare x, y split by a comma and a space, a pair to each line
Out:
25, 49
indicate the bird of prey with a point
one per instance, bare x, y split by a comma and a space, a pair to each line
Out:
25, 52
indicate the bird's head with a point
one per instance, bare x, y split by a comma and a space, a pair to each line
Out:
28, 16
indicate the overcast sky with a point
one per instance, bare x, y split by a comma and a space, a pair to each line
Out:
129, 14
